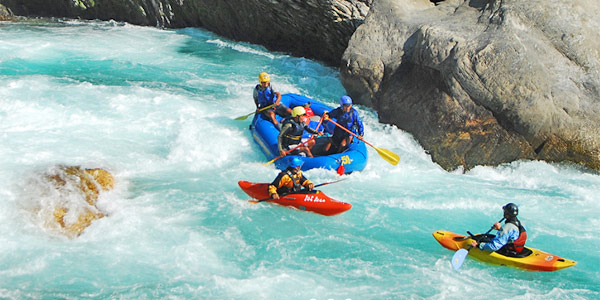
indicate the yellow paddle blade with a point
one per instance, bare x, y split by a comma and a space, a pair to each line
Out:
388, 155
244, 117
271, 161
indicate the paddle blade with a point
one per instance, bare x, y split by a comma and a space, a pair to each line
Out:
388, 155
341, 170
459, 258
243, 117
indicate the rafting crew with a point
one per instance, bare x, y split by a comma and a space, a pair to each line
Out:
264, 95
348, 117
510, 238
290, 136
290, 180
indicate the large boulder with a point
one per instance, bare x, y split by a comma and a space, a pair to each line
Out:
483, 82
317, 29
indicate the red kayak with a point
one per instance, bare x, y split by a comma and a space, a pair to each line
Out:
315, 201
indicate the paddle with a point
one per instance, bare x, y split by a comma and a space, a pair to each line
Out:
386, 154
318, 185
459, 257
246, 116
286, 152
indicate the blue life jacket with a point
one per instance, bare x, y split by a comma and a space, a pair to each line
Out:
266, 97
350, 120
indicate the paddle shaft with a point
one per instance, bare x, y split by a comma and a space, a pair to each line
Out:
350, 132
246, 116
388, 155
286, 152
492, 228
318, 185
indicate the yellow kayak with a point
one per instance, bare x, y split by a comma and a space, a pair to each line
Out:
532, 259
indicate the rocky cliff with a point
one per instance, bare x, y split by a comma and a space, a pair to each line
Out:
483, 82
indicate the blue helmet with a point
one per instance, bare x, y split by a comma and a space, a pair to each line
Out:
345, 100
295, 162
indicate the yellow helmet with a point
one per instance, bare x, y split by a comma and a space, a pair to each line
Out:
264, 77
298, 111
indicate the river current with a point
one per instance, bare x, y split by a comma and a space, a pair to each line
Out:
156, 108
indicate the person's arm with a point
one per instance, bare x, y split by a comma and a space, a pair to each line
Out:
359, 123
276, 184
305, 182
506, 234
255, 96
277, 98
284, 129
310, 130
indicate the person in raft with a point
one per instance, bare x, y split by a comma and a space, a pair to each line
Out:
348, 117
291, 134
510, 239
264, 95
290, 180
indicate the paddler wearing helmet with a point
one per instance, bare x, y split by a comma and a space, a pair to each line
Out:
348, 117
510, 239
290, 180
291, 132
264, 95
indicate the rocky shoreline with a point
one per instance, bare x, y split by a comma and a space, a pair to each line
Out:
478, 82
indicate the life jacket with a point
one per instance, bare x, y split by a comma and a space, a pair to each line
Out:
295, 178
309, 111
519, 244
265, 97
294, 134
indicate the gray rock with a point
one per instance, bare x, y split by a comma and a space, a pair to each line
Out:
483, 82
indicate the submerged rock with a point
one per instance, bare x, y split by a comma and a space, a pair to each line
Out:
65, 197
483, 82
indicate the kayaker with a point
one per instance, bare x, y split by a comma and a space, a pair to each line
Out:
510, 239
291, 132
264, 95
348, 117
290, 180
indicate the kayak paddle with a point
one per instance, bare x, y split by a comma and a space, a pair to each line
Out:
386, 154
459, 257
246, 116
318, 185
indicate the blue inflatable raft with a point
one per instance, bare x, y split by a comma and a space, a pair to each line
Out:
353, 157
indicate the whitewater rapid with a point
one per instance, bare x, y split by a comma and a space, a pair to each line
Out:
156, 108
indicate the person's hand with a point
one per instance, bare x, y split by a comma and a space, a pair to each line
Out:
474, 244
282, 153
325, 115
275, 196
311, 186
497, 226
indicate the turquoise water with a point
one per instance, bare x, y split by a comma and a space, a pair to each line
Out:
156, 108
